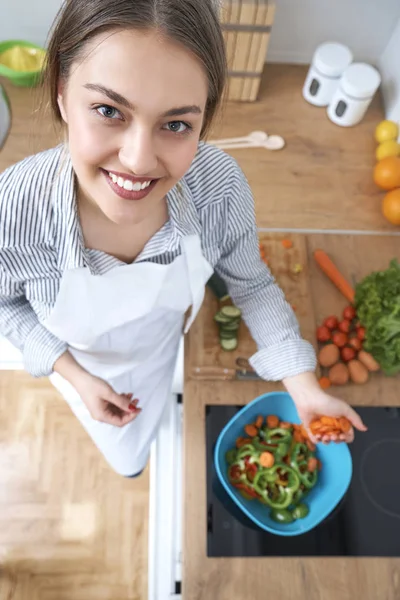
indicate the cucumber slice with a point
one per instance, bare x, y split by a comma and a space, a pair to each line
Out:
229, 345
232, 312
227, 335
232, 326
220, 318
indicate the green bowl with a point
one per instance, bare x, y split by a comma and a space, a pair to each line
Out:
20, 78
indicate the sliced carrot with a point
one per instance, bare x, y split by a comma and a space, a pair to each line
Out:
251, 430
272, 421
297, 436
259, 421
242, 441
312, 464
287, 244
267, 460
285, 425
325, 382
344, 424
319, 464
330, 421
328, 267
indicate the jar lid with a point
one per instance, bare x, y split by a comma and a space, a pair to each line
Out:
360, 80
332, 59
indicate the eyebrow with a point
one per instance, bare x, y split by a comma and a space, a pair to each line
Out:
115, 97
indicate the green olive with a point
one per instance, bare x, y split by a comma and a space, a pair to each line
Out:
300, 511
281, 516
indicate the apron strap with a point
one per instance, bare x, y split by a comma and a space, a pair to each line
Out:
199, 271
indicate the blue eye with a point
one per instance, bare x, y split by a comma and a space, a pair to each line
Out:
108, 112
178, 127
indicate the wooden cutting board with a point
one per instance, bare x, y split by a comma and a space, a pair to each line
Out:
313, 296
203, 341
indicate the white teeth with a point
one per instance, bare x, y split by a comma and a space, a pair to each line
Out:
128, 184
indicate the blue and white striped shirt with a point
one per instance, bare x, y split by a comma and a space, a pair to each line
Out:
40, 237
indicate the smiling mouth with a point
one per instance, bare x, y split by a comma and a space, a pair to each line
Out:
129, 188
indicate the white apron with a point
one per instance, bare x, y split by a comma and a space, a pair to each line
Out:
125, 327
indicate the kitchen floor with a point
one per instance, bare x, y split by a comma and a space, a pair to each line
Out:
70, 528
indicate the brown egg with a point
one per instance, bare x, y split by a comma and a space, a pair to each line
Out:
358, 372
328, 355
339, 374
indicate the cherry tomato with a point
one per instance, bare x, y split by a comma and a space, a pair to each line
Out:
355, 343
361, 333
347, 353
339, 339
323, 334
344, 326
349, 313
331, 322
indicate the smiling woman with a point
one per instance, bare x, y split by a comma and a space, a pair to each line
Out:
107, 240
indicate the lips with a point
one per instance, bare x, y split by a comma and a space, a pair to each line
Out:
127, 186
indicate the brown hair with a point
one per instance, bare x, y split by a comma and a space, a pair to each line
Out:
192, 23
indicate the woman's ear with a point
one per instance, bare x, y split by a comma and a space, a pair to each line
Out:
61, 100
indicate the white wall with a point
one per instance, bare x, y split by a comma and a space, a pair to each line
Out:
27, 19
300, 25
389, 65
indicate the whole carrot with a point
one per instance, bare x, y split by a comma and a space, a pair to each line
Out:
327, 266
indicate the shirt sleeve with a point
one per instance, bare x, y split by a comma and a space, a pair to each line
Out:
282, 352
20, 325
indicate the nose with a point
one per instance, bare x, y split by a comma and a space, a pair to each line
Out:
138, 152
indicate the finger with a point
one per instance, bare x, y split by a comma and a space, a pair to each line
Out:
119, 419
355, 419
120, 400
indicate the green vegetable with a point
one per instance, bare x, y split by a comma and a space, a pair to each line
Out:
282, 516
281, 487
230, 456
300, 511
377, 301
273, 494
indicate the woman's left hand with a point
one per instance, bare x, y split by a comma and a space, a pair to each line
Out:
312, 402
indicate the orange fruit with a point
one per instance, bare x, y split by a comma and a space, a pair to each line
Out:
387, 173
391, 206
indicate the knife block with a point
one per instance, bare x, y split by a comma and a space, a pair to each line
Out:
246, 27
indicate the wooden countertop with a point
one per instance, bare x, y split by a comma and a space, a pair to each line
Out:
323, 177
284, 578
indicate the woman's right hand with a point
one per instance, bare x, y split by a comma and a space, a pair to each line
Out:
103, 403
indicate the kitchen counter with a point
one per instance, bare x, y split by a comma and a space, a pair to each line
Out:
323, 177
322, 180
284, 578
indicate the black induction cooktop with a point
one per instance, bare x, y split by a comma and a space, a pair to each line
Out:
365, 523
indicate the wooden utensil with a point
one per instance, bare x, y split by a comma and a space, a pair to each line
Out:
273, 142
219, 373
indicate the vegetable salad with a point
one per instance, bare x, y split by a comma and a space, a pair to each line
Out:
276, 464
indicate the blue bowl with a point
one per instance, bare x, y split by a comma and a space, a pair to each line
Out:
333, 481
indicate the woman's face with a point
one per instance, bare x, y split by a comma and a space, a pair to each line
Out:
134, 110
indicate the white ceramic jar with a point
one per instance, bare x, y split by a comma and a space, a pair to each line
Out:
356, 89
329, 62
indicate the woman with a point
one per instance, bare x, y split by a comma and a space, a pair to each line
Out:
108, 239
